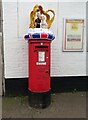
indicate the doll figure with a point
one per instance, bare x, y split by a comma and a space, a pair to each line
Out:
38, 19
43, 22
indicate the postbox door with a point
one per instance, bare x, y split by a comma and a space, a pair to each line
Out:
39, 72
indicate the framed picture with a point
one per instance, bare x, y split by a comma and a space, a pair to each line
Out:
73, 34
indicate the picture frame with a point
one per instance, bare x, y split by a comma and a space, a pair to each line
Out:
73, 35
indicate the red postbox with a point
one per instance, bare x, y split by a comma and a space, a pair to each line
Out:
39, 68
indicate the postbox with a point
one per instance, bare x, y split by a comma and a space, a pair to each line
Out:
39, 65
39, 47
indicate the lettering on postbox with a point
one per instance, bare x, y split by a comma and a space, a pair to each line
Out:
41, 58
41, 54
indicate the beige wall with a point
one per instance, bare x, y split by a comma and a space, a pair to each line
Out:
1, 46
16, 22
0, 8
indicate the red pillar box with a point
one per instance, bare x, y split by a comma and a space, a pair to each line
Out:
39, 41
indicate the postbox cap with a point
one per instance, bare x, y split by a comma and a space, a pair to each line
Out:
39, 33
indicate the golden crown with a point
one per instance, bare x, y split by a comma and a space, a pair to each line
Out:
49, 19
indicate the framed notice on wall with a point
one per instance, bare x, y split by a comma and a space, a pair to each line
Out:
73, 34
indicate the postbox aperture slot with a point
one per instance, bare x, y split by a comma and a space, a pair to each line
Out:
41, 46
